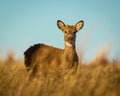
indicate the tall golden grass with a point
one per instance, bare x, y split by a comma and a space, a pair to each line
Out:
94, 79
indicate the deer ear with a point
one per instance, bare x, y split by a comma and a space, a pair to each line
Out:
60, 24
79, 25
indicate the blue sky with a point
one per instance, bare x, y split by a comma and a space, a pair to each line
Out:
27, 22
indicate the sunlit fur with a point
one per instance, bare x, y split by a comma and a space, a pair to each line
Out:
44, 58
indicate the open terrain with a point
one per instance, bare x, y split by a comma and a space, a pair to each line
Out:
90, 80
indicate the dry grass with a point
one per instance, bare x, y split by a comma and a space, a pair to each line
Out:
90, 80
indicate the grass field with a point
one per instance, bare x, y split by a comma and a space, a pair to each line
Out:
91, 80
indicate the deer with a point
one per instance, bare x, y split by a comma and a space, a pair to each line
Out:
45, 58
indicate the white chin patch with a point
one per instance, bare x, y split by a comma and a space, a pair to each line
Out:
68, 44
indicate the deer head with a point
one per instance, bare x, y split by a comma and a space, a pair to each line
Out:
70, 32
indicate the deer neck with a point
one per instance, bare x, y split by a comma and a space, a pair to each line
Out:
69, 54
70, 49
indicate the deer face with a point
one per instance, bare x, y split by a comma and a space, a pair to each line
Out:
70, 31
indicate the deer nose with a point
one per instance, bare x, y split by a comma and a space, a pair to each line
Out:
70, 36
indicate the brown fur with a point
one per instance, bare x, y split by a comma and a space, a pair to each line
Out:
44, 58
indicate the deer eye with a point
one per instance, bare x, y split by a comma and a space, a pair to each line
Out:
66, 32
74, 32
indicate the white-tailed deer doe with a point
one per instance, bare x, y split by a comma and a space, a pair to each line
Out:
45, 58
